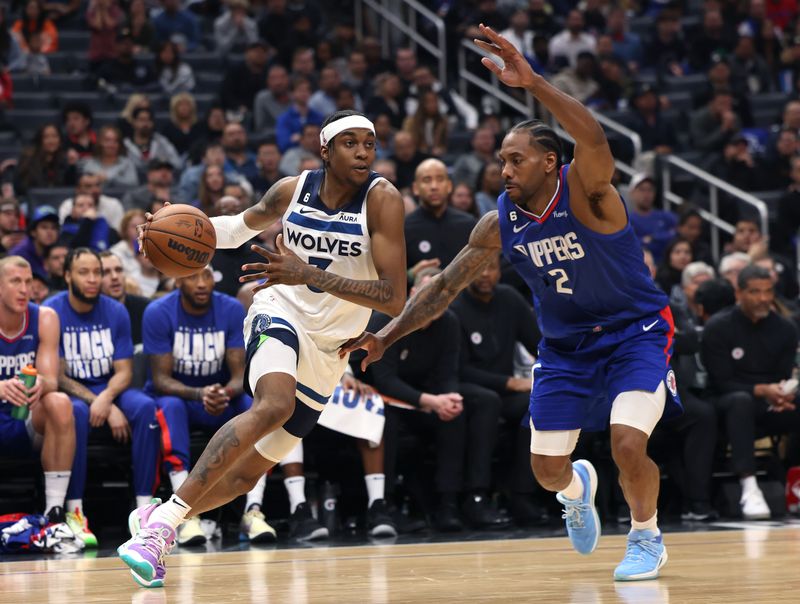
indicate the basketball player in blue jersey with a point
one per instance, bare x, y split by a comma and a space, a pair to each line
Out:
607, 328
340, 254
29, 336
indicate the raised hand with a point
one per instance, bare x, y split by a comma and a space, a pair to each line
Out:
516, 71
284, 267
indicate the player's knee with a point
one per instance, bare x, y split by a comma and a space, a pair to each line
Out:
59, 411
628, 447
549, 470
272, 410
145, 409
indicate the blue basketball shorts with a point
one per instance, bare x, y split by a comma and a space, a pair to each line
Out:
576, 380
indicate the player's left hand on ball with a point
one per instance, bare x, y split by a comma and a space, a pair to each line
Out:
283, 266
148, 218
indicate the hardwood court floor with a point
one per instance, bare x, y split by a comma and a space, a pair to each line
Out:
754, 565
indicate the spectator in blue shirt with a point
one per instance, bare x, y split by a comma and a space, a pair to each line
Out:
627, 45
177, 25
654, 228
290, 124
42, 233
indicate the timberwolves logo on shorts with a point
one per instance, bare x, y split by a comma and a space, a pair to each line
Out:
672, 384
261, 324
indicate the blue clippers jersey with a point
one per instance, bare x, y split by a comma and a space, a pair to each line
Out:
581, 280
21, 351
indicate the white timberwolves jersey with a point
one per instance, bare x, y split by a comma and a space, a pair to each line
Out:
333, 240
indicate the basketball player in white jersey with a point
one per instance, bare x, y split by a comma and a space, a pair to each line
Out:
341, 254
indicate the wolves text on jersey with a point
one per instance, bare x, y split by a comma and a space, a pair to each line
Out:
558, 248
327, 244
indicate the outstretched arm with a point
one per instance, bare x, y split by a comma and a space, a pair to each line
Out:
434, 297
593, 164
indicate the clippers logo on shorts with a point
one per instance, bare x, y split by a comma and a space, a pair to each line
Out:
192, 255
88, 351
672, 383
198, 351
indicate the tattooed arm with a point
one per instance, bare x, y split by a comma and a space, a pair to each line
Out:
73, 387
435, 296
385, 294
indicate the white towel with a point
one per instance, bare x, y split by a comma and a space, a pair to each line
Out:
350, 413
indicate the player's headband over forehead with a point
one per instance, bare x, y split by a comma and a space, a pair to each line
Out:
346, 123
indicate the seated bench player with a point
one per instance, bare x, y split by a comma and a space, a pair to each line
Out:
194, 339
29, 336
96, 367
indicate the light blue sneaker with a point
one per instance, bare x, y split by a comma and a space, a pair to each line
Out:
644, 557
583, 523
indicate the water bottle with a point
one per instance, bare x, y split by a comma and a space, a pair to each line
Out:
328, 515
27, 375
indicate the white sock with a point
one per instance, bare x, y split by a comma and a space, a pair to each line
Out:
143, 500
55, 489
748, 484
256, 496
647, 525
375, 483
574, 489
176, 479
171, 512
72, 504
296, 488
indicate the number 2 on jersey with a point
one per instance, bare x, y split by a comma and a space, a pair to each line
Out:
561, 280
321, 264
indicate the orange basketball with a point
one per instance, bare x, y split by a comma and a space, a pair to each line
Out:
180, 240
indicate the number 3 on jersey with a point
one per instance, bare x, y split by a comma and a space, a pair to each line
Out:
321, 264
561, 280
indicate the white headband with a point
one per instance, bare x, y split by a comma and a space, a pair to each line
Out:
346, 123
